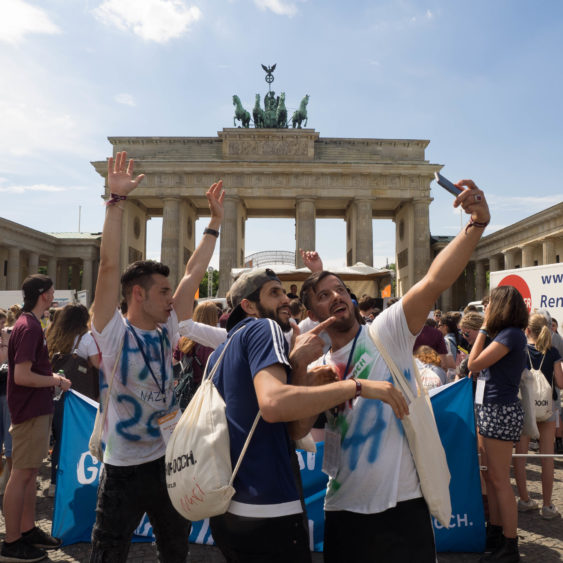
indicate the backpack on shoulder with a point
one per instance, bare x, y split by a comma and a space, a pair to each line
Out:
199, 473
542, 392
184, 373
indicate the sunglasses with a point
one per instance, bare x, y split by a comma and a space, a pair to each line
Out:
465, 334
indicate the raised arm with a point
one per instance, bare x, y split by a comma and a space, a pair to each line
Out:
199, 260
121, 183
449, 264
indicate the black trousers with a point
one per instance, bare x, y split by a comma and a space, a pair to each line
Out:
261, 540
402, 534
124, 495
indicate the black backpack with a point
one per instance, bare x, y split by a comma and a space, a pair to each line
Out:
184, 374
83, 375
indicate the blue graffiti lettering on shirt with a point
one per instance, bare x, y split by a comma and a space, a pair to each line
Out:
138, 411
365, 437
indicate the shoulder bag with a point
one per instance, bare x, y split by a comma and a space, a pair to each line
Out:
423, 439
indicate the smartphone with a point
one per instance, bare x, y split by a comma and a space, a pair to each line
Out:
447, 185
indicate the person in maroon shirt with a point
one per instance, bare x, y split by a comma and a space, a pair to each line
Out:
30, 401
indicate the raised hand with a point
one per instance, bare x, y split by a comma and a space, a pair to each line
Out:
473, 202
311, 260
215, 196
120, 175
309, 345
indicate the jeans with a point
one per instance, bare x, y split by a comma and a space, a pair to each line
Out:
124, 495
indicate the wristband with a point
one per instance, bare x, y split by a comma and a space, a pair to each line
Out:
483, 331
115, 198
208, 231
477, 224
358, 388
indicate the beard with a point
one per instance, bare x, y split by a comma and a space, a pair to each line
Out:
270, 314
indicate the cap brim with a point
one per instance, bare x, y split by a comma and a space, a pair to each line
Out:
237, 314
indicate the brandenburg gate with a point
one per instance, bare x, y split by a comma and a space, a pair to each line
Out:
279, 173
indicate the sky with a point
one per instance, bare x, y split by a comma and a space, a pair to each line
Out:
480, 80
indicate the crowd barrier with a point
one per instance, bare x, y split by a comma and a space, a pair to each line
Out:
78, 473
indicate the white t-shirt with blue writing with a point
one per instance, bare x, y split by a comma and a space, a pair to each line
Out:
376, 469
131, 433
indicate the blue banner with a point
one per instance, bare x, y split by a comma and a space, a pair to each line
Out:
77, 477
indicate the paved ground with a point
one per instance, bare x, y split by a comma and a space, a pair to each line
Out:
541, 541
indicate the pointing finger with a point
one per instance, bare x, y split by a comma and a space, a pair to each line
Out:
322, 326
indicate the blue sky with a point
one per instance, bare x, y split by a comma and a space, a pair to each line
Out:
481, 80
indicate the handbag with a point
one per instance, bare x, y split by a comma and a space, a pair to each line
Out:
543, 392
423, 439
95, 443
199, 474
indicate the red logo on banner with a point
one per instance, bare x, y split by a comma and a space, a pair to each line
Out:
521, 286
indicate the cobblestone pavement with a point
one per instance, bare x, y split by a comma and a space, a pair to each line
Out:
541, 541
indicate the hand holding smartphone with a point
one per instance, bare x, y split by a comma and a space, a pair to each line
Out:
447, 185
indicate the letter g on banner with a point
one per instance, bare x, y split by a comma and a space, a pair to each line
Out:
92, 469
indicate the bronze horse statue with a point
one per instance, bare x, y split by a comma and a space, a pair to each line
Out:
258, 114
240, 113
300, 115
281, 113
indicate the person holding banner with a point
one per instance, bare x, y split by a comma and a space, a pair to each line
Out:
137, 384
374, 509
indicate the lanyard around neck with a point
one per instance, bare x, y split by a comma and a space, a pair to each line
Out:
140, 345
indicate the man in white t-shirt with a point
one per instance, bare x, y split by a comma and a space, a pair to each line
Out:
137, 373
374, 509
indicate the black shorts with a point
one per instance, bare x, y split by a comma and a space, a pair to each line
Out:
402, 534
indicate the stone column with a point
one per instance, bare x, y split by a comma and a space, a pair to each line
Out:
421, 251
170, 243
494, 264
62, 275
527, 256
548, 251
305, 216
87, 277
446, 300
52, 268
480, 280
508, 259
33, 263
229, 245
13, 278
364, 231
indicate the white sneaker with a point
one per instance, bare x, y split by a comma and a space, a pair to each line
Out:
549, 512
526, 505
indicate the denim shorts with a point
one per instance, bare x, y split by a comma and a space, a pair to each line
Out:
501, 422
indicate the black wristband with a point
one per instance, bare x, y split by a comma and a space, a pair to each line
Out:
208, 231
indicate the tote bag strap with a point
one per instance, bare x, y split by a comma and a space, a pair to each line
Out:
530, 358
399, 378
244, 448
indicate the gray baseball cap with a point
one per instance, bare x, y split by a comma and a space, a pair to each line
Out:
246, 285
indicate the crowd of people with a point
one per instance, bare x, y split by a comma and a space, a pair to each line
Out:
306, 362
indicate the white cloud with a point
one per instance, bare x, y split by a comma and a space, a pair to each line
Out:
18, 19
152, 20
32, 188
530, 204
279, 7
125, 99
